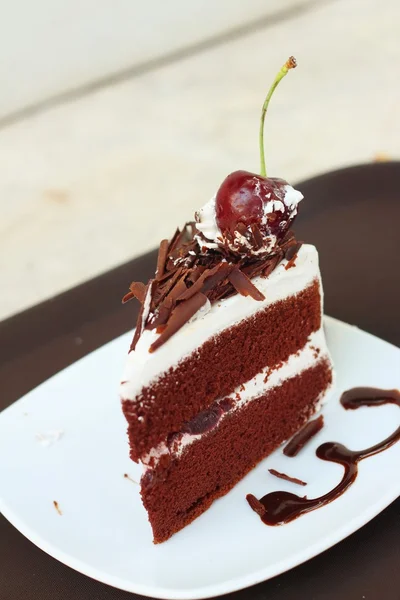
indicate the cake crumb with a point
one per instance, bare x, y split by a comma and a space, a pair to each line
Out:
126, 476
50, 437
57, 507
315, 350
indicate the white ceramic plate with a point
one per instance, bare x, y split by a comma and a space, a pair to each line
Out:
103, 530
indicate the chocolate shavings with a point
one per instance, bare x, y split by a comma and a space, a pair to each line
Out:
303, 436
258, 241
141, 318
137, 290
291, 254
162, 258
179, 316
57, 507
286, 477
243, 285
187, 277
255, 505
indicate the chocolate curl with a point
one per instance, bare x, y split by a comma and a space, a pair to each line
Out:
255, 505
179, 316
243, 285
195, 273
214, 279
137, 290
286, 477
274, 262
166, 286
252, 270
165, 308
139, 323
183, 272
138, 330
257, 237
162, 259
196, 287
179, 240
291, 254
303, 436
287, 239
207, 280
173, 240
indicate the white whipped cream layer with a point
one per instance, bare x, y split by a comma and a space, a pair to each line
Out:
206, 218
314, 351
206, 222
144, 367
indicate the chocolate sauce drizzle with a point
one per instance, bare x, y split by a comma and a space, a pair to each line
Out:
368, 396
281, 507
187, 277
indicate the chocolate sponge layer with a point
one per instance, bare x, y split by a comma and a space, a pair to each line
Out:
177, 491
219, 366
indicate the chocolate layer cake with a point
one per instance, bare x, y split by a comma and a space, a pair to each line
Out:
228, 359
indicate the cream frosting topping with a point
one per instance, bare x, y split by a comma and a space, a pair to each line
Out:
143, 368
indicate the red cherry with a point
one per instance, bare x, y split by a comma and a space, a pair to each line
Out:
237, 201
249, 199
251, 212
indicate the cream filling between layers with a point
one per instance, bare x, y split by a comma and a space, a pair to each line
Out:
144, 368
314, 351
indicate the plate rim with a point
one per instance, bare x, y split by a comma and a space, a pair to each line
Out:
229, 585
211, 590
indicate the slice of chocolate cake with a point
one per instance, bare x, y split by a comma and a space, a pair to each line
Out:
228, 359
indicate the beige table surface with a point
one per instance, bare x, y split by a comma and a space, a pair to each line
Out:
103, 153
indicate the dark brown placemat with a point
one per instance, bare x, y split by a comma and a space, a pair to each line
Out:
352, 216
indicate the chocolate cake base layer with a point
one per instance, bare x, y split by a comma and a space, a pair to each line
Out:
220, 365
175, 492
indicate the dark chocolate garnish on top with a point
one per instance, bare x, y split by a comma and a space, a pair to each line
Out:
162, 258
140, 319
137, 289
274, 262
258, 240
368, 396
291, 254
281, 507
303, 436
181, 314
293, 250
286, 477
184, 270
243, 285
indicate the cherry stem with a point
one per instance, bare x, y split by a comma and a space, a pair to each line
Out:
289, 64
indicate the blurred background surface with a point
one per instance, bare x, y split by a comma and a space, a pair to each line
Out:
119, 119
